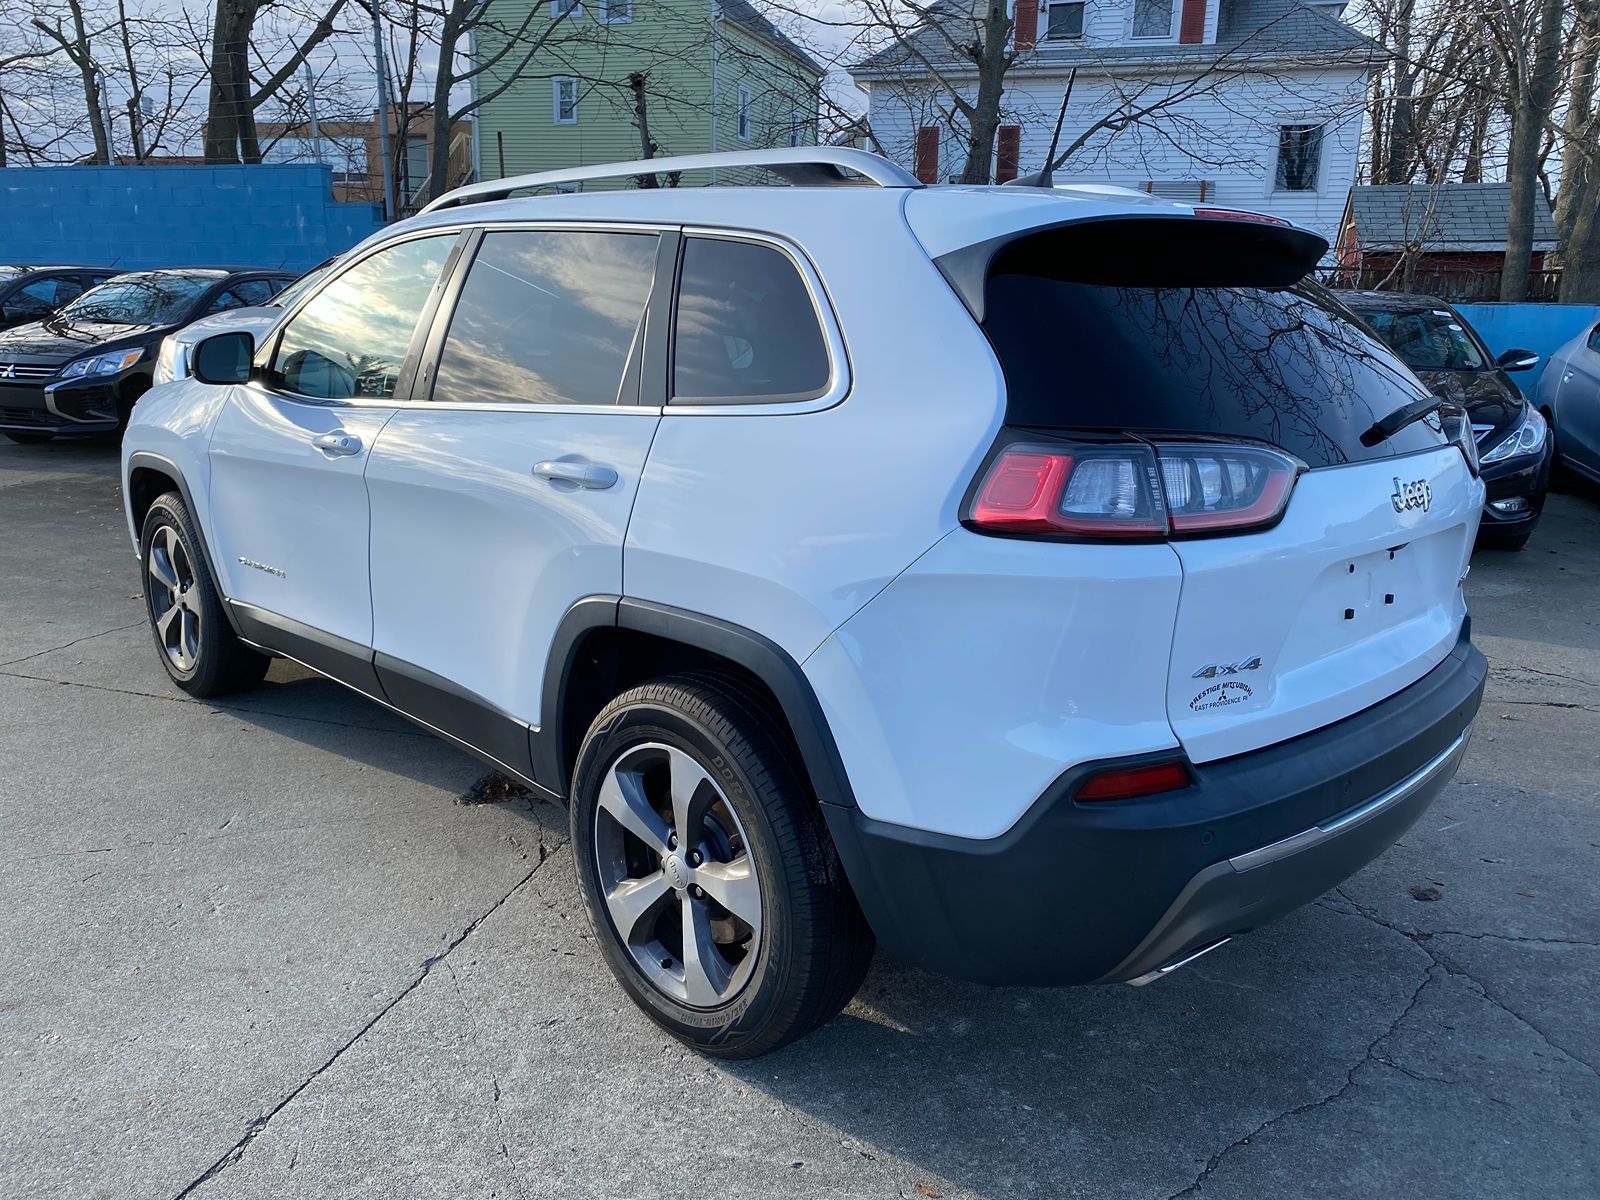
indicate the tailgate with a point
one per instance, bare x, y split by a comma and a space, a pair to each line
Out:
1355, 594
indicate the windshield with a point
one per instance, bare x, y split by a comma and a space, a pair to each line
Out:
138, 300
292, 293
1426, 339
11, 273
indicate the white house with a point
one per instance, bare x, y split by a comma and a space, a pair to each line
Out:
1250, 103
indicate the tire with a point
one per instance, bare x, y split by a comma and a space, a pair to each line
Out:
1496, 539
791, 946
198, 647
23, 438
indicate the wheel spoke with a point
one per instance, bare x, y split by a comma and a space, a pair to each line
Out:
161, 567
189, 635
733, 885
692, 794
164, 624
634, 902
622, 798
705, 973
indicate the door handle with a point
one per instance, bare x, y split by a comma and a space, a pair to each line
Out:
577, 474
337, 444
1567, 378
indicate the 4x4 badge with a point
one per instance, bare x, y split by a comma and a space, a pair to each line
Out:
1416, 494
1212, 670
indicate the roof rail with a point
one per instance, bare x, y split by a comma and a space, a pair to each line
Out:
803, 166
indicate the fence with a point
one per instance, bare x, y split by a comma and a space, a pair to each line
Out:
1463, 285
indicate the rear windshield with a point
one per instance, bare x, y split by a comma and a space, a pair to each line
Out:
1162, 354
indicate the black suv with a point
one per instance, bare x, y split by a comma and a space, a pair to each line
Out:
34, 293
80, 370
1514, 443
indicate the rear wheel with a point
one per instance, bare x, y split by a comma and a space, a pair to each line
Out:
708, 875
198, 647
28, 439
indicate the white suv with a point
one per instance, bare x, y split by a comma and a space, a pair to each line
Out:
1047, 583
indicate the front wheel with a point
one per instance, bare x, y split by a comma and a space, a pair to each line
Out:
708, 874
198, 647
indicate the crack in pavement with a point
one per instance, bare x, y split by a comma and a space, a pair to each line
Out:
260, 1123
1216, 1160
88, 637
1551, 704
1450, 966
494, 1078
214, 705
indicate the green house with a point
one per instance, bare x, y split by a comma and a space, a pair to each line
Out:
710, 75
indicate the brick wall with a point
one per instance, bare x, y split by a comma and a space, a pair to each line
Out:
166, 216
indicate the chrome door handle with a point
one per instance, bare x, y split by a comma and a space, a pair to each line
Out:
578, 474
337, 444
1567, 378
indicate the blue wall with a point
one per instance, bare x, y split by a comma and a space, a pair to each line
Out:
1542, 328
132, 217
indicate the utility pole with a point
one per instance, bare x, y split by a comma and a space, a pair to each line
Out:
105, 115
389, 213
311, 107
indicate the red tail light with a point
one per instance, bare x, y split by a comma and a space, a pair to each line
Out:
1125, 783
1131, 489
1239, 214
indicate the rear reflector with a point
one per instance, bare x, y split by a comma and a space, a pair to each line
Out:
1124, 783
1131, 489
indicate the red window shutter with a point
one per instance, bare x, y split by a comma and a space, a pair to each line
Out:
1005, 167
1192, 29
927, 165
1025, 31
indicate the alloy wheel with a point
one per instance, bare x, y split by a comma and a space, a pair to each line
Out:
677, 876
174, 599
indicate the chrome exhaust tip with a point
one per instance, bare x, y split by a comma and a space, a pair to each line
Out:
1176, 964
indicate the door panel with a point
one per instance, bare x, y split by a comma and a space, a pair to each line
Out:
1578, 405
475, 558
290, 514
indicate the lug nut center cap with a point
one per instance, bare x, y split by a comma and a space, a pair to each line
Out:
677, 870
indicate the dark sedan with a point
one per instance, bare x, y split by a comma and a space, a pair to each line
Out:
1514, 441
34, 293
81, 370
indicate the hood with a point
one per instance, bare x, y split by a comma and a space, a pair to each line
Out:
255, 321
56, 342
1488, 396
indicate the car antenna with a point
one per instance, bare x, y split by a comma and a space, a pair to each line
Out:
1046, 177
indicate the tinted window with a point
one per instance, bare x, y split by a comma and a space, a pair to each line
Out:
1594, 338
1286, 365
292, 293
249, 294
352, 338
39, 298
746, 329
1426, 339
156, 299
547, 317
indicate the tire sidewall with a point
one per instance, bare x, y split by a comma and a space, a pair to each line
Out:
633, 724
168, 513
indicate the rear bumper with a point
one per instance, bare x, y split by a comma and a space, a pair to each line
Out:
1083, 893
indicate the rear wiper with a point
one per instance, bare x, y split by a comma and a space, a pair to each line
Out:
1384, 429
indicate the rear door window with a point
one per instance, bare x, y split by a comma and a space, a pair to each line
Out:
747, 330
548, 317
351, 340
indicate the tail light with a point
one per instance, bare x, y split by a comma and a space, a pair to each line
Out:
1131, 490
1239, 214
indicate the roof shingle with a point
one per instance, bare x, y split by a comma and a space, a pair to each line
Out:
1451, 216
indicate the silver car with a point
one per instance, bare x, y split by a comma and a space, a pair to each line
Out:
1569, 396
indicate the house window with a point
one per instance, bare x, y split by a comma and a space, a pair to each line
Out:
563, 8
615, 12
1153, 18
797, 127
564, 99
744, 114
1299, 156
1064, 21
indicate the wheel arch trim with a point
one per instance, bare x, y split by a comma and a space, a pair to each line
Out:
759, 655
149, 460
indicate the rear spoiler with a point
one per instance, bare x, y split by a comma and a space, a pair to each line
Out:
1210, 248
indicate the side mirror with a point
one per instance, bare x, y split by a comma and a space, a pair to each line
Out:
224, 358
1517, 360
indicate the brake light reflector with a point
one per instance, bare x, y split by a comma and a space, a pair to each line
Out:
1132, 489
1126, 783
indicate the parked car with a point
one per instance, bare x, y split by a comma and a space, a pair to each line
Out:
1569, 397
81, 370
173, 362
34, 293
1515, 445
1050, 585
